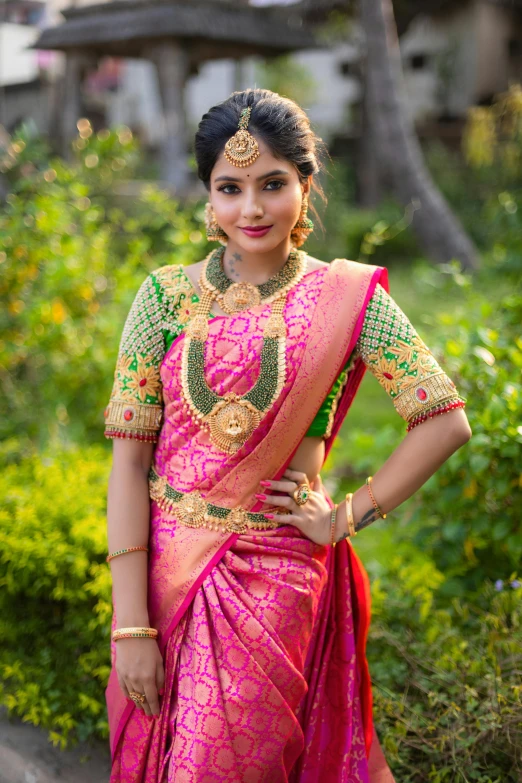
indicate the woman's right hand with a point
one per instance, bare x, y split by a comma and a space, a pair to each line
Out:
139, 666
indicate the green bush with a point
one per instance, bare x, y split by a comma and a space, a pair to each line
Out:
55, 589
71, 259
446, 682
468, 514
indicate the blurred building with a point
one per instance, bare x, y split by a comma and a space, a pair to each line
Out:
455, 54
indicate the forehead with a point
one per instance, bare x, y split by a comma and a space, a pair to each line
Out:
265, 162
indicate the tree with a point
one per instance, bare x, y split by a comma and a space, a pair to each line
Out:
396, 145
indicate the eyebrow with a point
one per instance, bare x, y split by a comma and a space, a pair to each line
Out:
263, 176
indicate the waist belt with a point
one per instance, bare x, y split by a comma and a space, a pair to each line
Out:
192, 510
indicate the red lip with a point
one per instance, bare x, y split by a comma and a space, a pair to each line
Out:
255, 231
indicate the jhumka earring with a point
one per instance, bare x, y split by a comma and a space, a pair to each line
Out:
304, 226
214, 231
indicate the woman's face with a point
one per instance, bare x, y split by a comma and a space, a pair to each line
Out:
267, 193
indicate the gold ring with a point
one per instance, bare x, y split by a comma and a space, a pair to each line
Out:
137, 698
301, 494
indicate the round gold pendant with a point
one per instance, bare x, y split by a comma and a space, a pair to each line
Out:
240, 296
231, 422
191, 509
242, 149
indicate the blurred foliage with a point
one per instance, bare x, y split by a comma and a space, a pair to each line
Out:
72, 255
469, 511
446, 681
288, 77
54, 664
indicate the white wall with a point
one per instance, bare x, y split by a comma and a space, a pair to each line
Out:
448, 38
18, 65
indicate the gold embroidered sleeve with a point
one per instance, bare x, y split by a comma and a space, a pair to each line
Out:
402, 363
135, 407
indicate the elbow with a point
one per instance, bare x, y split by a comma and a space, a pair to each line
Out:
460, 431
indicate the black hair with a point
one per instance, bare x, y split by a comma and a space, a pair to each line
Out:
280, 122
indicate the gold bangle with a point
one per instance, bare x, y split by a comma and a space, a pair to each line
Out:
124, 551
333, 515
349, 514
134, 632
376, 507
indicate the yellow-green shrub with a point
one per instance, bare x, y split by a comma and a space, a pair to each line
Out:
55, 590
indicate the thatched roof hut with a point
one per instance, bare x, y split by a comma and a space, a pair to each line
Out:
177, 35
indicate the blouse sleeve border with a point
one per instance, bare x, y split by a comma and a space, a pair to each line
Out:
427, 397
132, 420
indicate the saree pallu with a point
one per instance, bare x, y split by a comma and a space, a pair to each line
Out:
262, 634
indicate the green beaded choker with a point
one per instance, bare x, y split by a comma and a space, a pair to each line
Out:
234, 297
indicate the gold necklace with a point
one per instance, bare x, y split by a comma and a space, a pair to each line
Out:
235, 297
232, 418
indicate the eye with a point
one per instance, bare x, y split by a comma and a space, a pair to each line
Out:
278, 182
223, 188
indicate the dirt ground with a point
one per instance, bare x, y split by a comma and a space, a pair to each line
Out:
26, 756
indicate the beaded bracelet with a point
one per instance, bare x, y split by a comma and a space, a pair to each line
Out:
333, 515
137, 633
124, 551
349, 514
376, 507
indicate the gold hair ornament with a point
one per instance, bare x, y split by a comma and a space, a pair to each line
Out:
242, 149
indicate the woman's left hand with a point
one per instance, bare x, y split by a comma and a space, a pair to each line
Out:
313, 518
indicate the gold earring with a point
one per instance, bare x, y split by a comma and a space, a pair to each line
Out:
214, 231
304, 226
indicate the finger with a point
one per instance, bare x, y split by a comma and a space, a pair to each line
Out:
289, 519
123, 687
317, 483
284, 501
138, 687
160, 679
296, 476
151, 693
282, 486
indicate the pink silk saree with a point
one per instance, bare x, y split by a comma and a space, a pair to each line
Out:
263, 634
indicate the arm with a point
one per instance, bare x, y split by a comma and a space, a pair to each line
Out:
132, 420
128, 507
416, 458
421, 391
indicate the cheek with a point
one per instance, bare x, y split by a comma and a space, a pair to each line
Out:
288, 207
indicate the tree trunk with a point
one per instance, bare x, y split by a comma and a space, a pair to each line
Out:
438, 230
171, 60
369, 179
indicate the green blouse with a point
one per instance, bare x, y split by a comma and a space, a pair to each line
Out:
166, 301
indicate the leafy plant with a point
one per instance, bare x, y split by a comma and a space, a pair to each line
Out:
55, 589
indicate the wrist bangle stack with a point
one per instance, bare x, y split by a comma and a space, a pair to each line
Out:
333, 515
137, 633
349, 514
124, 551
376, 507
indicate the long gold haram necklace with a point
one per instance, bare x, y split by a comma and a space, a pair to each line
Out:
232, 418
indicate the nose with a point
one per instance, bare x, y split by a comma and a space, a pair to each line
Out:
252, 207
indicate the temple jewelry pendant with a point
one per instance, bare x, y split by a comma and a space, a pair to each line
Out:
232, 418
242, 149
235, 297
240, 296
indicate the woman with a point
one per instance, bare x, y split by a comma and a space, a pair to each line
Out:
240, 627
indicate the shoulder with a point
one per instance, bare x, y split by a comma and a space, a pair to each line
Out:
314, 263
171, 282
